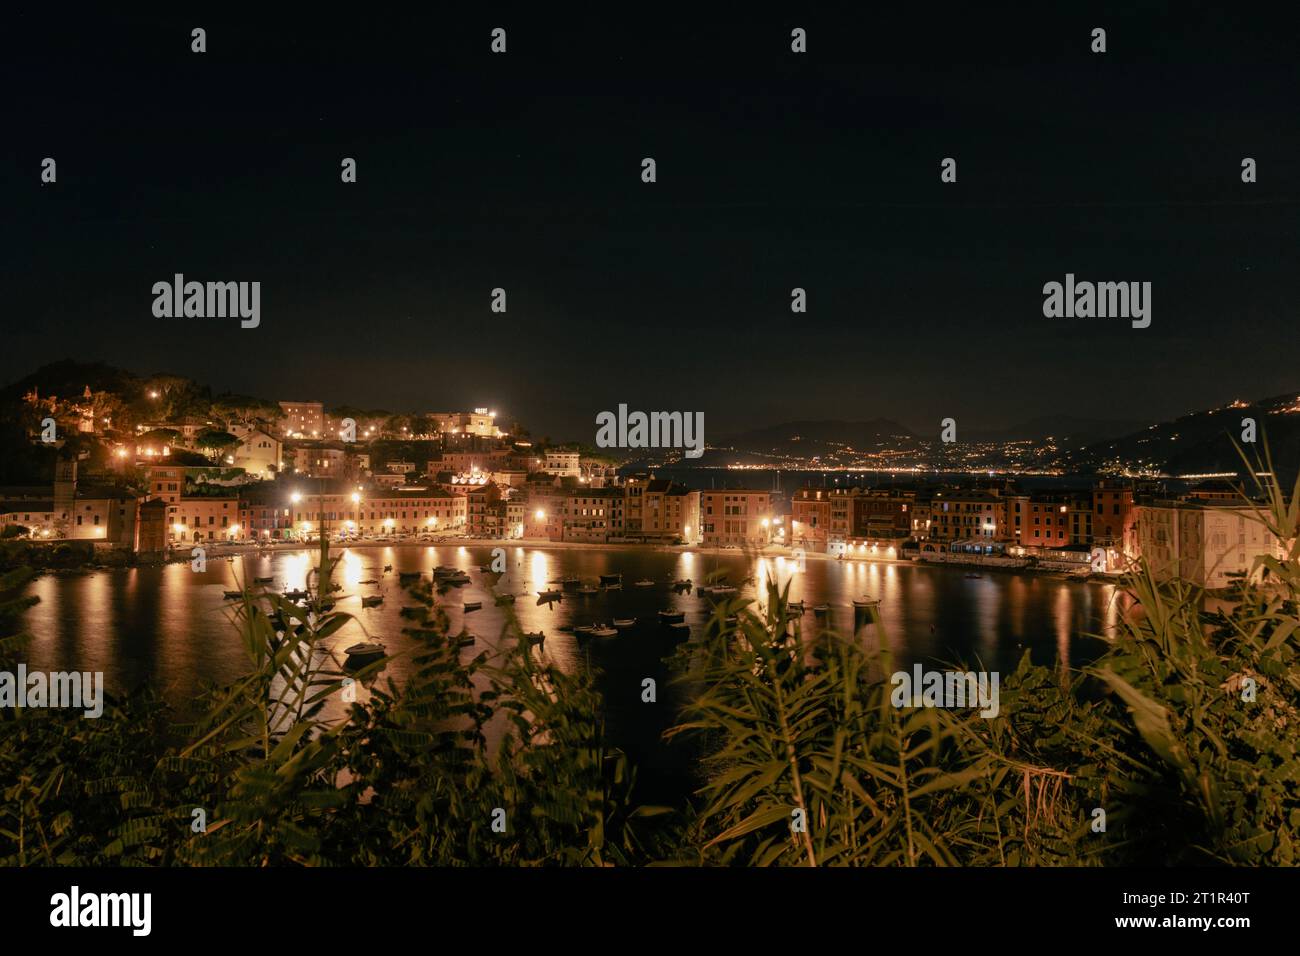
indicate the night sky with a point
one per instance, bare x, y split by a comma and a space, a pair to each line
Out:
775, 170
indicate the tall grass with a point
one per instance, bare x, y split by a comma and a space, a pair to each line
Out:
1183, 735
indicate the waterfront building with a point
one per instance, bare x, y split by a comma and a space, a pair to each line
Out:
735, 517
1203, 541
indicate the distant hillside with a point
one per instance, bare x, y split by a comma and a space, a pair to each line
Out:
68, 379
1202, 442
806, 439
1079, 431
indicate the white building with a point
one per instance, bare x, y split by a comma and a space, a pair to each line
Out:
1202, 542
258, 452
562, 464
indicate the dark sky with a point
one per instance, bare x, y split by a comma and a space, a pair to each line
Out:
775, 170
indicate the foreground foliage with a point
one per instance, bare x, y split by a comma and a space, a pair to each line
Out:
1183, 735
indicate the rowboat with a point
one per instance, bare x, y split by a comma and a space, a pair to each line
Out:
644, 583
537, 637
263, 580
473, 605
624, 621
465, 640
672, 617
364, 652
603, 631
505, 599
231, 595
372, 601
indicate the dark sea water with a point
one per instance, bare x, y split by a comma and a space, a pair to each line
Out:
168, 626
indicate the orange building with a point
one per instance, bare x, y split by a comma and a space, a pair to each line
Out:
736, 517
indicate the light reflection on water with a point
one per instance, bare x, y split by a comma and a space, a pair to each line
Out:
168, 626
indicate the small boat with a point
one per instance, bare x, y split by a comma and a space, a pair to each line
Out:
584, 629
327, 605
732, 620
822, 609
570, 583
603, 630
680, 627
616, 586
263, 580
373, 601
644, 583
459, 579
465, 640
624, 621
721, 591
796, 606
672, 617
363, 652
549, 595
972, 575
587, 591
566, 628
505, 599
536, 637
682, 585
414, 611
473, 605
866, 602
488, 569
231, 595
369, 581
611, 579
409, 576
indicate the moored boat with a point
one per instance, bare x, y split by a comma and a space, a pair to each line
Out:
473, 605
373, 600
672, 617
603, 630
644, 583
536, 637
263, 580
624, 621
505, 599
364, 652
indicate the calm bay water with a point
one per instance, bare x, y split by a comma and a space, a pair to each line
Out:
168, 626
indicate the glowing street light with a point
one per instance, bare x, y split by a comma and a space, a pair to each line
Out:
539, 514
